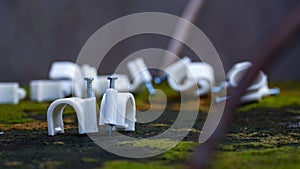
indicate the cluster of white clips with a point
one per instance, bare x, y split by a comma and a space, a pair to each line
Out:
117, 108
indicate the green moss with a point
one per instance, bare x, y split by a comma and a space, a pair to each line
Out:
159, 125
89, 160
270, 158
243, 146
143, 96
13, 164
296, 112
11, 114
51, 164
137, 165
171, 159
169, 92
149, 143
179, 153
25, 112
275, 158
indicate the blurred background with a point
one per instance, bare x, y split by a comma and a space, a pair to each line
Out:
35, 33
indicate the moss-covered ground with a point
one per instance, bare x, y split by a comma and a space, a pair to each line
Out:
264, 135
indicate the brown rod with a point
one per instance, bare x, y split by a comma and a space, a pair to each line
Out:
271, 47
190, 13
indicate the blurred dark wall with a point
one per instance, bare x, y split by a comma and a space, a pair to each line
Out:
35, 33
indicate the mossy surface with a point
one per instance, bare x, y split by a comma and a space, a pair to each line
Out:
265, 134
139, 165
149, 143
270, 158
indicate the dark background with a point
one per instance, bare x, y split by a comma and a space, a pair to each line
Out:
35, 33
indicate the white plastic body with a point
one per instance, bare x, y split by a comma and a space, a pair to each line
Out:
62, 70
235, 74
179, 66
118, 110
203, 73
102, 84
49, 90
191, 74
89, 71
257, 95
85, 110
139, 72
259, 87
11, 93
69, 71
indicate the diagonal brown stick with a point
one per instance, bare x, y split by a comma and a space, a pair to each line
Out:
276, 41
190, 13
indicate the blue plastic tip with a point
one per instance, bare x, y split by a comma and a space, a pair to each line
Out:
221, 99
159, 80
275, 91
150, 87
218, 89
